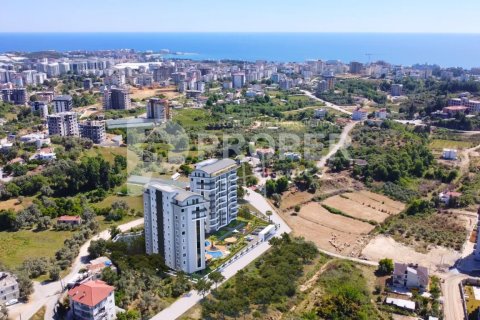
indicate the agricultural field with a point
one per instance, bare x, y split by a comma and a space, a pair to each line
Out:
328, 231
364, 207
440, 144
345, 227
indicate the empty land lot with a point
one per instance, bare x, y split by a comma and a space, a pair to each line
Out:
365, 205
335, 232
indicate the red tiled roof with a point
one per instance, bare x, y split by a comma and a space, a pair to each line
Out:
90, 293
69, 218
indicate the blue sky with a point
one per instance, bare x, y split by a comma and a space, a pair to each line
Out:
437, 16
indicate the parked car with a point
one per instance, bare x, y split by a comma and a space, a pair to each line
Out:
11, 302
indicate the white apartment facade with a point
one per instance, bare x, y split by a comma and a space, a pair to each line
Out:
216, 181
175, 226
9, 289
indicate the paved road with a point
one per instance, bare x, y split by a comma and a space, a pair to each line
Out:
48, 294
452, 307
183, 304
328, 104
341, 143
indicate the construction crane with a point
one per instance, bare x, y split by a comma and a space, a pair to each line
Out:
369, 55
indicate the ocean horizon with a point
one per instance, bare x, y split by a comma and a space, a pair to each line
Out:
446, 50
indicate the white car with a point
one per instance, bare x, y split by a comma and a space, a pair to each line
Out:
11, 302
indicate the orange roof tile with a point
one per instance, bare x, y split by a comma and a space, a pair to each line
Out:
90, 293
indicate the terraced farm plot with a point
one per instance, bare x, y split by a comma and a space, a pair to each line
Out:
365, 205
316, 214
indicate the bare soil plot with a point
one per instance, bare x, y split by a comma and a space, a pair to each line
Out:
386, 247
315, 213
168, 92
377, 201
292, 198
359, 210
329, 231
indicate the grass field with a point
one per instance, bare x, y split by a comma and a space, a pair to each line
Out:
13, 204
439, 144
192, 118
134, 202
15, 247
107, 153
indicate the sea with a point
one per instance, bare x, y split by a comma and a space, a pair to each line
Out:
446, 50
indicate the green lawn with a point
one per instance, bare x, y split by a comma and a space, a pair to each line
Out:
15, 247
134, 202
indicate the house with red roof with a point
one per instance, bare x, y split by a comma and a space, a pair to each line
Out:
73, 220
92, 300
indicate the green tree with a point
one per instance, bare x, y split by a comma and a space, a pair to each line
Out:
216, 277
54, 273
203, 286
385, 267
97, 248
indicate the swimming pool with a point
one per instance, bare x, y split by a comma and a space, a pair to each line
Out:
215, 254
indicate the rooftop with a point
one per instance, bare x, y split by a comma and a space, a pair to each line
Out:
62, 98
213, 166
90, 293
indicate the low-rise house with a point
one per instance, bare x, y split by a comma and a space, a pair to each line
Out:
401, 303
320, 113
72, 220
8, 287
292, 156
449, 154
360, 114
410, 276
448, 196
92, 300
381, 114
96, 266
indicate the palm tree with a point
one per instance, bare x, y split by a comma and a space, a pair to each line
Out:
269, 214
213, 239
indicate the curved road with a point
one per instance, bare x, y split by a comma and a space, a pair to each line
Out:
47, 294
327, 104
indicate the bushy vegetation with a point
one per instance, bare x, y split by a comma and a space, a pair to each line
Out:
353, 87
141, 283
271, 280
423, 230
68, 177
346, 294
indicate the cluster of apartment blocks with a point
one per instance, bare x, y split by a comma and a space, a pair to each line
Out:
177, 220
